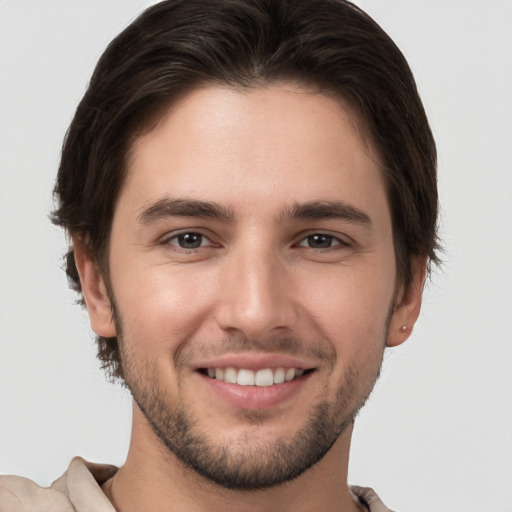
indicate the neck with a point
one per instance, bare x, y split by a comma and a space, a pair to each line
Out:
152, 478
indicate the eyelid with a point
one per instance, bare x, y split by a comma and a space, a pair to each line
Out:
343, 240
173, 235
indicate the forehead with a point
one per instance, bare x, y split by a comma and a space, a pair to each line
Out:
242, 146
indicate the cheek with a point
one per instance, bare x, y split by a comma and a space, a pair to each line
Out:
159, 305
350, 307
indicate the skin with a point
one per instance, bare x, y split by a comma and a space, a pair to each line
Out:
256, 279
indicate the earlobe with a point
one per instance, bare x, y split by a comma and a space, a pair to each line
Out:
408, 309
95, 293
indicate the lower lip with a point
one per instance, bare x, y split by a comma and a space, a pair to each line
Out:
255, 397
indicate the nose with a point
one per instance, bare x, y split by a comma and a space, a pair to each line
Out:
257, 294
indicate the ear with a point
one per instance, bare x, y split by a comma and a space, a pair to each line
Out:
95, 292
408, 305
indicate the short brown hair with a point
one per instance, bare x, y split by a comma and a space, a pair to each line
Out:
178, 45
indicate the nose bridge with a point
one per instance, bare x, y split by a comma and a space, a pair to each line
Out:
255, 300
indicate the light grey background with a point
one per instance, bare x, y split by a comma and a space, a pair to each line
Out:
437, 432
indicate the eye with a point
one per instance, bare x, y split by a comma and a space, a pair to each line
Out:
320, 241
189, 240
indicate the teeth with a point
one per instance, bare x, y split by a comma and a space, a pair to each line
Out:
289, 374
263, 377
230, 375
245, 378
279, 376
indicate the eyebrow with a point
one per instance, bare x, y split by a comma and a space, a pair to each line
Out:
313, 210
323, 210
168, 207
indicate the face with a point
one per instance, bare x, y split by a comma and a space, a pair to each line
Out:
253, 274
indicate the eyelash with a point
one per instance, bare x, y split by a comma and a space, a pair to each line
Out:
338, 242
177, 236
341, 243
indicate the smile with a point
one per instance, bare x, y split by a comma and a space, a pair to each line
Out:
245, 377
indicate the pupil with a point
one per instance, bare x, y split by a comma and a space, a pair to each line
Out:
320, 241
190, 240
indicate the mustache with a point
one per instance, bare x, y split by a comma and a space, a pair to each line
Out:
320, 351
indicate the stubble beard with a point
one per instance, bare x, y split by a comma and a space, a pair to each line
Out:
245, 464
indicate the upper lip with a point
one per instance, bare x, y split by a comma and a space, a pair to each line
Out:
255, 361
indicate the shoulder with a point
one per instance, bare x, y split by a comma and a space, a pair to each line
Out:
18, 494
369, 497
77, 489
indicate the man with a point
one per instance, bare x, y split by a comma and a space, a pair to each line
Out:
250, 191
